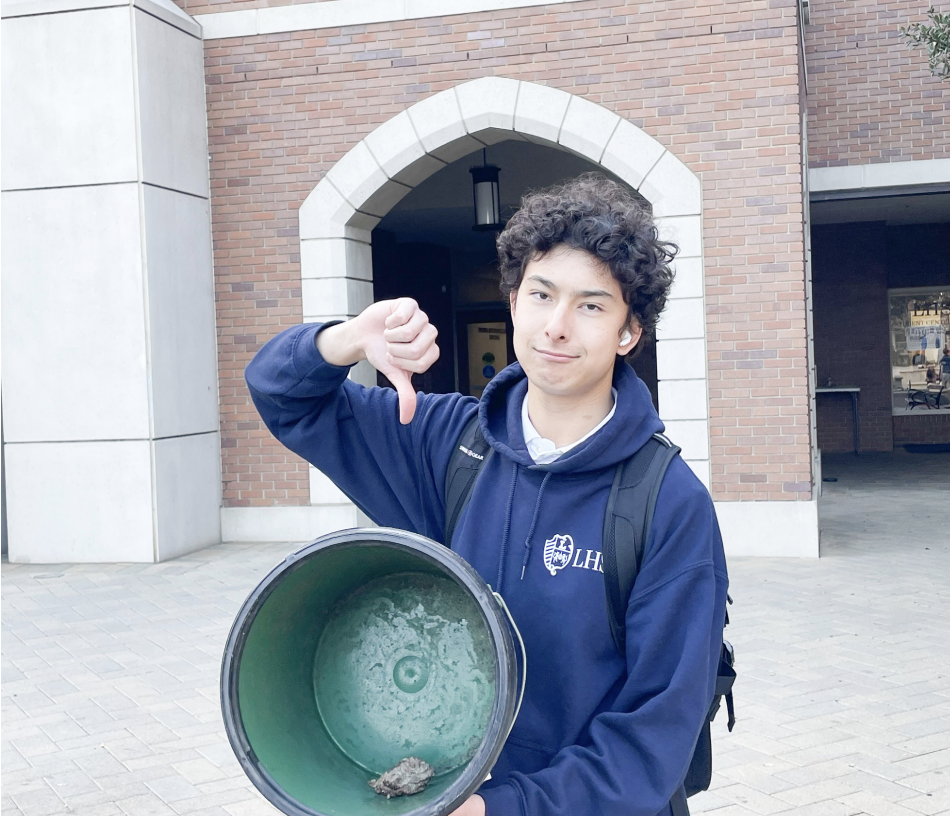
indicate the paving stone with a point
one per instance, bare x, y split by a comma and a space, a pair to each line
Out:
893, 771
218, 800
935, 760
127, 789
97, 798
828, 807
100, 763
128, 748
162, 759
147, 804
929, 782
816, 792
925, 745
39, 802
104, 809
173, 788
752, 799
815, 737
34, 745
8, 807
219, 753
757, 778
16, 784
12, 760
925, 727
222, 785
153, 733
892, 791
707, 801
875, 805
251, 807
197, 771
71, 783
932, 804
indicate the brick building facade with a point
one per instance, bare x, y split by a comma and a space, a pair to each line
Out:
871, 100
740, 122
726, 103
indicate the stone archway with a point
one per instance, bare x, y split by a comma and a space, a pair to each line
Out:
337, 219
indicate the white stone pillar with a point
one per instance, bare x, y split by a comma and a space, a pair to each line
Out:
110, 410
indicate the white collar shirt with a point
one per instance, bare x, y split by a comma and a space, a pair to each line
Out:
543, 451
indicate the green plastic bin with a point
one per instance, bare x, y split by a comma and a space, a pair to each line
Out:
365, 647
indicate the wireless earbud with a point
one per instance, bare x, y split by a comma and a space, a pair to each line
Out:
625, 340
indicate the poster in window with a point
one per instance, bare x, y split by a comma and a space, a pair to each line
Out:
487, 354
920, 349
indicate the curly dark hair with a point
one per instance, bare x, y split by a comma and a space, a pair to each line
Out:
604, 218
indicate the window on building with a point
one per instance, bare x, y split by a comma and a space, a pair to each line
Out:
920, 349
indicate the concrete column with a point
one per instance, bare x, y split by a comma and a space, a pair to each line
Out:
110, 384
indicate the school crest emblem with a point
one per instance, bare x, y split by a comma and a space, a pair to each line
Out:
558, 552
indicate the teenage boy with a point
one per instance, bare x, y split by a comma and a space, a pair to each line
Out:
586, 278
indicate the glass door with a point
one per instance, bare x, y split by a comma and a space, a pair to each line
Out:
484, 347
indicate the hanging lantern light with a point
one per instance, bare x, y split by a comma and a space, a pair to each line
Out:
487, 196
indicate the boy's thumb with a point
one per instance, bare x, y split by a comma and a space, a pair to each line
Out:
406, 393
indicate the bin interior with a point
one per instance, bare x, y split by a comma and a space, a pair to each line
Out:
361, 656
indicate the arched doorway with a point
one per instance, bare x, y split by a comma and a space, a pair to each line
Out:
338, 218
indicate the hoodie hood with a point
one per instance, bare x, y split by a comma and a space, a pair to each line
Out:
632, 424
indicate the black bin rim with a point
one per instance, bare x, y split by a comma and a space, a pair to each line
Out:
449, 562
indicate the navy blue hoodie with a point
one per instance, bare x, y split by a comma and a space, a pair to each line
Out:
598, 733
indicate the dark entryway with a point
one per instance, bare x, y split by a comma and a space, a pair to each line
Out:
881, 322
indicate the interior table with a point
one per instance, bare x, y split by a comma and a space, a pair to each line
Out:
853, 391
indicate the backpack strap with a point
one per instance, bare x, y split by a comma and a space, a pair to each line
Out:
725, 679
627, 523
678, 806
470, 454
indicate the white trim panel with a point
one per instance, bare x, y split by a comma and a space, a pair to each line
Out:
777, 529
682, 399
692, 436
287, 523
681, 359
338, 13
162, 9
325, 257
187, 493
701, 469
80, 502
769, 528
887, 174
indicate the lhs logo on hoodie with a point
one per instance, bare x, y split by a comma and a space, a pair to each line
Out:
558, 552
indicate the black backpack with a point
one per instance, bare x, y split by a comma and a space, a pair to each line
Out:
627, 523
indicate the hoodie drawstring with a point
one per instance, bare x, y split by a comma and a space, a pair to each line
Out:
504, 540
534, 521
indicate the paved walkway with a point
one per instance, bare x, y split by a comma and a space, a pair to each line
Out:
844, 696
110, 673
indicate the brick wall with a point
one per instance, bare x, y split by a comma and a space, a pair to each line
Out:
924, 429
851, 337
717, 83
870, 97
